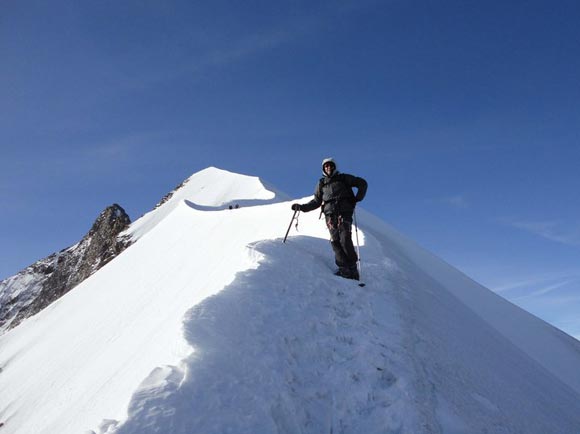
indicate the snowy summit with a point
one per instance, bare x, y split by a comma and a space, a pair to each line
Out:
208, 323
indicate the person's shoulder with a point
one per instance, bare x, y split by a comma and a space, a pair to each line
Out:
353, 180
347, 176
352, 176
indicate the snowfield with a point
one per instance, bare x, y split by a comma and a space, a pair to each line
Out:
208, 323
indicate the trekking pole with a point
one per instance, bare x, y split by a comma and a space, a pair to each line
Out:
290, 225
358, 262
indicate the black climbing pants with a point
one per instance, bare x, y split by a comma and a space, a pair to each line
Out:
340, 228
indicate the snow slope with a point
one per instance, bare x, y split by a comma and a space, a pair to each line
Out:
209, 324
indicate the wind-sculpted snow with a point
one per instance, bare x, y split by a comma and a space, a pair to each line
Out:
211, 189
210, 324
286, 348
525, 331
469, 375
231, 205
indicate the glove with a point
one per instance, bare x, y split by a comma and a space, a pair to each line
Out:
296, 207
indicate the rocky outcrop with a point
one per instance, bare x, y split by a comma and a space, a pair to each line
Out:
170, 194
43, 282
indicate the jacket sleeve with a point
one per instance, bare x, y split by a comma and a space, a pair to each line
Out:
314, 203
361, 186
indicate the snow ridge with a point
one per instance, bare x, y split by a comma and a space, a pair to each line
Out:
290, 349
211, 189
280, 354
211, 324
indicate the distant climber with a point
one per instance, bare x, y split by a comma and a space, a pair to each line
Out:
334, 193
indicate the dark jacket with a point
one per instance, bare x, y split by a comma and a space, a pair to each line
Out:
334, 193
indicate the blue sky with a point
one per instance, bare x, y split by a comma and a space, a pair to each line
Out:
462, 115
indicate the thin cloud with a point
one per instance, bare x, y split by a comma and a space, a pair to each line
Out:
553, 297
456, 201
550, 230
545, 290
115, 150
548, 281
249, 45
125, 145
105, 153
518, 284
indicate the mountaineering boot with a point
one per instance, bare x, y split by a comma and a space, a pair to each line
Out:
348, 273
354, 273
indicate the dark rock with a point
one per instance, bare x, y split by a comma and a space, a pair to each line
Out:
170, 194
43, 282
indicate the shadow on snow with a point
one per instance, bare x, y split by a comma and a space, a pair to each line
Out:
285, 348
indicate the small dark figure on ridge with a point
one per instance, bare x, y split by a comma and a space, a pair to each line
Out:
334, 193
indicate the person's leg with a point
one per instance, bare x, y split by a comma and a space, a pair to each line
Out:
345, 237
340, 258
347, 247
